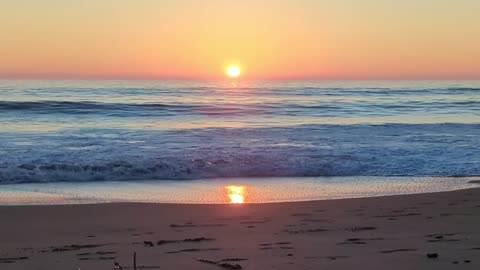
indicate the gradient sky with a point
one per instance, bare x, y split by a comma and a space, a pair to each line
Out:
269, 39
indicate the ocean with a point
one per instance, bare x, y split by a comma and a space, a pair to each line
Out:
172, 131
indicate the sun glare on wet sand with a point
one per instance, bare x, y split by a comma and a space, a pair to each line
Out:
236, 194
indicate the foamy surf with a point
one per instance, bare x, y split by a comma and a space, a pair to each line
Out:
318, 150
54, 131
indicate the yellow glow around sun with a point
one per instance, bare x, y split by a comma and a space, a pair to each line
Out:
233, 71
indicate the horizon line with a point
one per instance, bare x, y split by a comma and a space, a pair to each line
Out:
246, 78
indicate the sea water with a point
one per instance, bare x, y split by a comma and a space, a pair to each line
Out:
171, 131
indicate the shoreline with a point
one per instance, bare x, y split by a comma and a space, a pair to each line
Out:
222, 191
475, 185
395, 231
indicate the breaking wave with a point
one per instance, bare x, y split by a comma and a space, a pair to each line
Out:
310, 150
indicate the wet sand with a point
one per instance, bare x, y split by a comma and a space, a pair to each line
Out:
424, 231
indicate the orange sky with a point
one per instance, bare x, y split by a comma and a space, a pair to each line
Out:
269, 39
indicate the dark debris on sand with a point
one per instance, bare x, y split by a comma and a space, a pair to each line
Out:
12, 259
364, 228
223, 263
192, 250
73, 248
399, 250
187, 240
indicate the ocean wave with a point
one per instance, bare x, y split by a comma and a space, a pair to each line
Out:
126, 109
153, 133
310, 150
312, 108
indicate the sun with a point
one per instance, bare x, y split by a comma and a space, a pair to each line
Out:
233, 71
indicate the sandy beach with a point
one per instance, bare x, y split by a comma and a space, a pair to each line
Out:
425, 231
244, 135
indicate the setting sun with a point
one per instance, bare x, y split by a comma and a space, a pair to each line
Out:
233, 71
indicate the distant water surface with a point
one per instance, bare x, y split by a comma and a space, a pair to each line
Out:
176, 130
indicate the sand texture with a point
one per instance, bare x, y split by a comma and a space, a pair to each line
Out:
427, 231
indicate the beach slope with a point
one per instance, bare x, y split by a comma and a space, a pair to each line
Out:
425, 231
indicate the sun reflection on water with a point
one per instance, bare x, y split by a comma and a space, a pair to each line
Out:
236, 194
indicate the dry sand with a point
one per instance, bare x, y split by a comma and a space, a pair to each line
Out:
375, 233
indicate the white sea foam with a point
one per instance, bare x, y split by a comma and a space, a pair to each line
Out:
129, 131
321, 150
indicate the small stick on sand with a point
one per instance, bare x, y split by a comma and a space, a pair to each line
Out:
134, 260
